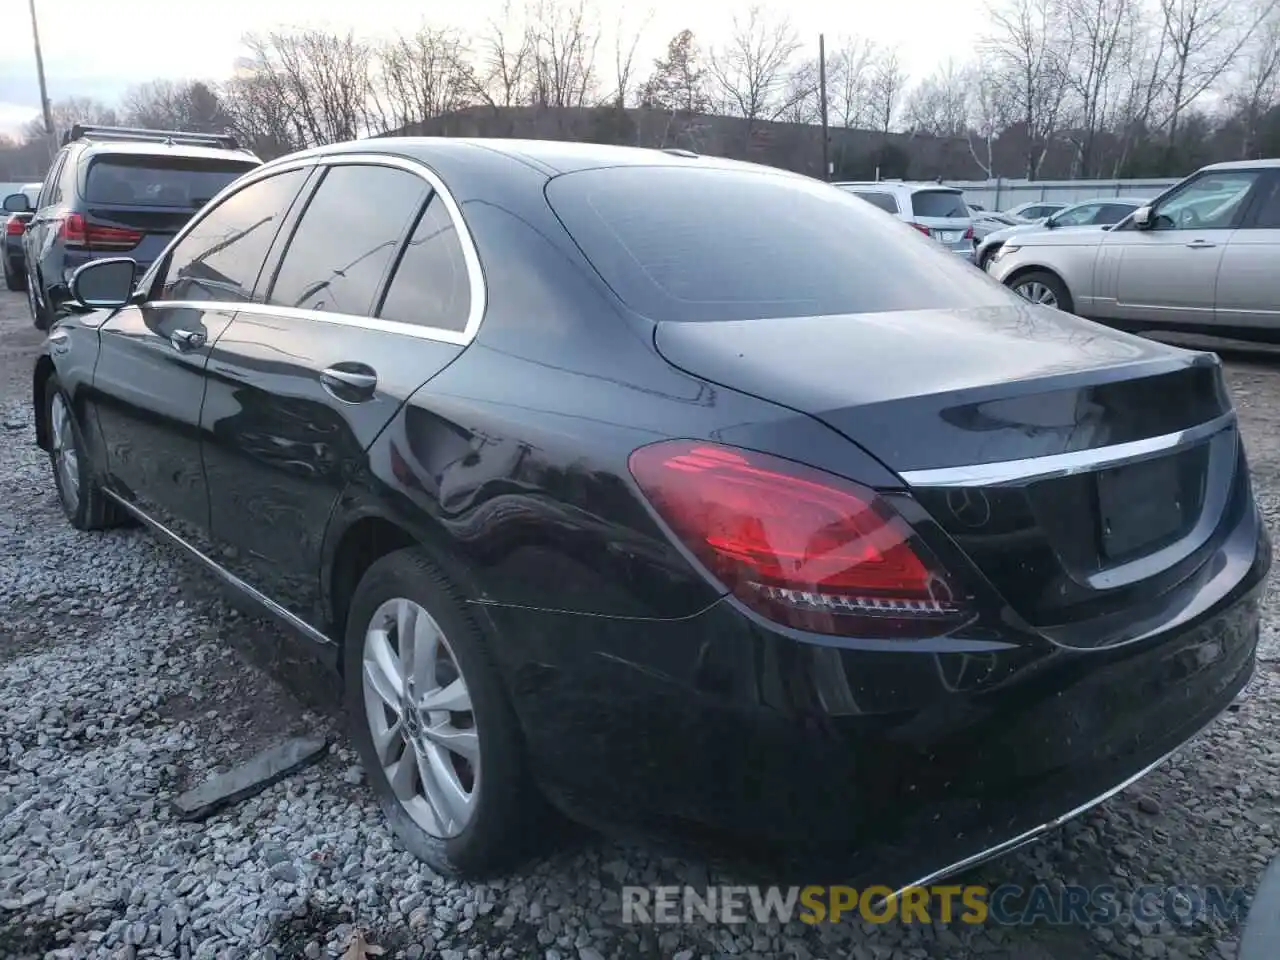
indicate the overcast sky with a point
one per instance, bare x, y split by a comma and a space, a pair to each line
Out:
99, 49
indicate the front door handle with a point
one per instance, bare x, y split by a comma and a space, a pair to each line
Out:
1201, 244
351, 382
185, 340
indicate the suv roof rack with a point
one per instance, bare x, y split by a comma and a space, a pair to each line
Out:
88, 131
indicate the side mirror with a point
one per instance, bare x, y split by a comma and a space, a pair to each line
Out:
1142, 218
104, 284
17, 203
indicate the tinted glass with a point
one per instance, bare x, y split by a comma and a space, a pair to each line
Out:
939, 203
50, 180
884, 201
1113, 212
222, 255
430, 286
347, 238
678, 243
159, 181
1211, 202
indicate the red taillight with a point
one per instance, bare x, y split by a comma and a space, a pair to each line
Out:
799, 546
922, 228
76, 231
968, 234
14, 227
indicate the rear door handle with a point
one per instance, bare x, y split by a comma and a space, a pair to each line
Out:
1201, 244
184, 340
350, 382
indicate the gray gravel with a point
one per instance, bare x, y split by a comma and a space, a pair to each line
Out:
125, 678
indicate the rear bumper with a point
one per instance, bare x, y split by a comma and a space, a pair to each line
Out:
876, 765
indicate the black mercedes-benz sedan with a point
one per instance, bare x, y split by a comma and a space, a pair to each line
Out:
680, 495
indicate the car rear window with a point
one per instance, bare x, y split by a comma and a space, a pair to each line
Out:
689, 244
939, 203
159, 181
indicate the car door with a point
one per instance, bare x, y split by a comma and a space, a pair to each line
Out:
301, 383
35, 240
1168, 273
149, 383
1248, 292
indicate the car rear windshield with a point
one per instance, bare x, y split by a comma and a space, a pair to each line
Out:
159, 181
688, 244
939, 203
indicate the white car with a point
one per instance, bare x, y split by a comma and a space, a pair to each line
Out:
935, 210
1090, 213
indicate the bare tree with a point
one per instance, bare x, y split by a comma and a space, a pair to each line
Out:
565, 39
940, 105
848, 78
1028, 50
1099, 39
749, 73
421, 75
800, 101
1204, 37
1257, 88
626, 41
259, 113
884, 89
988, 117
67, 113
174, 105
504, 66
679, 81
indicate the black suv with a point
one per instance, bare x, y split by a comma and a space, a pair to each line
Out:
115, 191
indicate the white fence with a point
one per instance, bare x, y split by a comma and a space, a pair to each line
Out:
1002, 194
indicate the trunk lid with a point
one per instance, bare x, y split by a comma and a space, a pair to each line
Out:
1074, 465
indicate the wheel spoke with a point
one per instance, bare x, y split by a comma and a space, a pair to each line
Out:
389, 744
455, 698
402, 775
464, 743
382, 669
448, 793
419, 641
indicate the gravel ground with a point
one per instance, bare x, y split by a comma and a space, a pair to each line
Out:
126, 677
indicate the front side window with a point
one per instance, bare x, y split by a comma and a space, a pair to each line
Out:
1076, 216
50, 185
1209, 202
221, 257
1113, 213
431, 286
347, 238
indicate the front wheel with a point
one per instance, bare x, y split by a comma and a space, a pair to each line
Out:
432, 723
1043, 288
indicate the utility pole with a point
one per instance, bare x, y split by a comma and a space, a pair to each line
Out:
51, 135
822, 99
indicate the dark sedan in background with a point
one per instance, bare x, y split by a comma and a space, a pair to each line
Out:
15, 226
688, 495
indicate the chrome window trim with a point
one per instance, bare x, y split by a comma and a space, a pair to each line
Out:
1065, 464
470, 254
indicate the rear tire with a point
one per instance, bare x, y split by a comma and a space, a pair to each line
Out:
15, 280
39, 316
81, 497
476, 815
1044, 288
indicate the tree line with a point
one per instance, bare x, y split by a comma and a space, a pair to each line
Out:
1054, 88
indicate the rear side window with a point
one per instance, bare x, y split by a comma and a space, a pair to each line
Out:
680, 243
221, 257
158, 181
431, 287
885, 201
347, 238
939, 203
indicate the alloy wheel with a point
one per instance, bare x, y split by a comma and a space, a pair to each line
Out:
419, 712
66, 459
1037, 292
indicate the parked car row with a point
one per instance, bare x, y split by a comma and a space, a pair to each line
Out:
15, 225
674, 493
